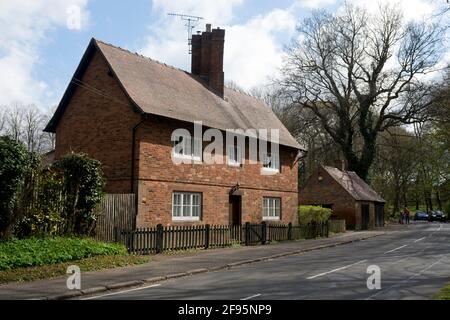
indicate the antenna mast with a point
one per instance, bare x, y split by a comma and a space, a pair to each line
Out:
191, 23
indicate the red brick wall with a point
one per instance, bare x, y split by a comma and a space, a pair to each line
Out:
326, 192
159, 177
100, 126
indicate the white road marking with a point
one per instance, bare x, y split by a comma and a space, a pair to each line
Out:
124, 291
410, 278
395, 249
419, 239
251, 297
335, 270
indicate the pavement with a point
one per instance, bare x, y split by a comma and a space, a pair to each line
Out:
183, 267
413, 262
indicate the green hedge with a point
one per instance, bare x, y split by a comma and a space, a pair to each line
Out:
308, 214
43, 251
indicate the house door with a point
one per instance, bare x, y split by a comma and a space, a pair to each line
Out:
236, 210
379, 214
365, 216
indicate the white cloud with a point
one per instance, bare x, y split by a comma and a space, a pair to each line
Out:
26, 24
252, 50
315, 4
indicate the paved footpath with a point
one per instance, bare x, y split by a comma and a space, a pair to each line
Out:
162, 267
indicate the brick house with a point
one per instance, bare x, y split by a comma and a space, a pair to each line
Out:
347, 195
122, 108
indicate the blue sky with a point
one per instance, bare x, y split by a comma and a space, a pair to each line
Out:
39, 52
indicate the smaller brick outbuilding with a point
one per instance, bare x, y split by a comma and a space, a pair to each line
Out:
347, 195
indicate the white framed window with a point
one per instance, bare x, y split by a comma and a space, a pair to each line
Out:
271, 209
234, 155
186, 206
271, 162
188, 148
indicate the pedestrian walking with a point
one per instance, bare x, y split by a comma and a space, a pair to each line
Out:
406, 214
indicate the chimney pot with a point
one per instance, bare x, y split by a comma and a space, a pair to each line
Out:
208, 27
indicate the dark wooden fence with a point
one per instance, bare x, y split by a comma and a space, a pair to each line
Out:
117, 211
337, 226
159, 239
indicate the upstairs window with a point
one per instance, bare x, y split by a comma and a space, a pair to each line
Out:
234, 155
271, 162
188, 147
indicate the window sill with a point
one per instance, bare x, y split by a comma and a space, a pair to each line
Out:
272, 171
181, 157
186, 219
271, 219
234, 165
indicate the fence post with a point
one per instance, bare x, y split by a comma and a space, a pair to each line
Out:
327, 230
290, 231
159, 238
264, 233
116, 234
207, 231
247, 233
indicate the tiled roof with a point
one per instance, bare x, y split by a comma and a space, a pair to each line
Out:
356, 186
159, 89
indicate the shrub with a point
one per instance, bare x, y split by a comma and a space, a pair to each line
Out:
43, 251
83, 189
43, 206
308, 214
14, 164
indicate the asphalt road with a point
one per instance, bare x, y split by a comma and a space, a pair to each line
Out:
414, 264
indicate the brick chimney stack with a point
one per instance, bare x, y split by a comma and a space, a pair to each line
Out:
207, 58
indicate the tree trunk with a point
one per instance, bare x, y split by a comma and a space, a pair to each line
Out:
361, 165
438, 199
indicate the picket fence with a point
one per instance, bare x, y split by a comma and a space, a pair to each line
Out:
159, 239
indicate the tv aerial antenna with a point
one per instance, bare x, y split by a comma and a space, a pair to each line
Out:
191, 23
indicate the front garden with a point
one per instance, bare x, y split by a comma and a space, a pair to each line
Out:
48, 214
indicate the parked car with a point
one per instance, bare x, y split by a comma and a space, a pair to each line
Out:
438, 216
421, 216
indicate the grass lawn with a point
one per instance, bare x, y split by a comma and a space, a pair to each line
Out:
55, 270
444, 294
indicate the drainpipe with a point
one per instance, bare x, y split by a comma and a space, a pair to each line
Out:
133, 148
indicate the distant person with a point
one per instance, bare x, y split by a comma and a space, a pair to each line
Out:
407, 214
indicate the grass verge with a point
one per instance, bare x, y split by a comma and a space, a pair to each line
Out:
56, 270
43, 251
444, 294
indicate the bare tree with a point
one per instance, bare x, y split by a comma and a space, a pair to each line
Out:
26, 123
14, 121
360, 74
2, 119
34, 137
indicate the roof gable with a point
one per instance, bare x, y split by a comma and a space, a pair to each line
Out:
156, 88
354, 185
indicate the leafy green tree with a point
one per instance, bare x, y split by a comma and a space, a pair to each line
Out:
14, 164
